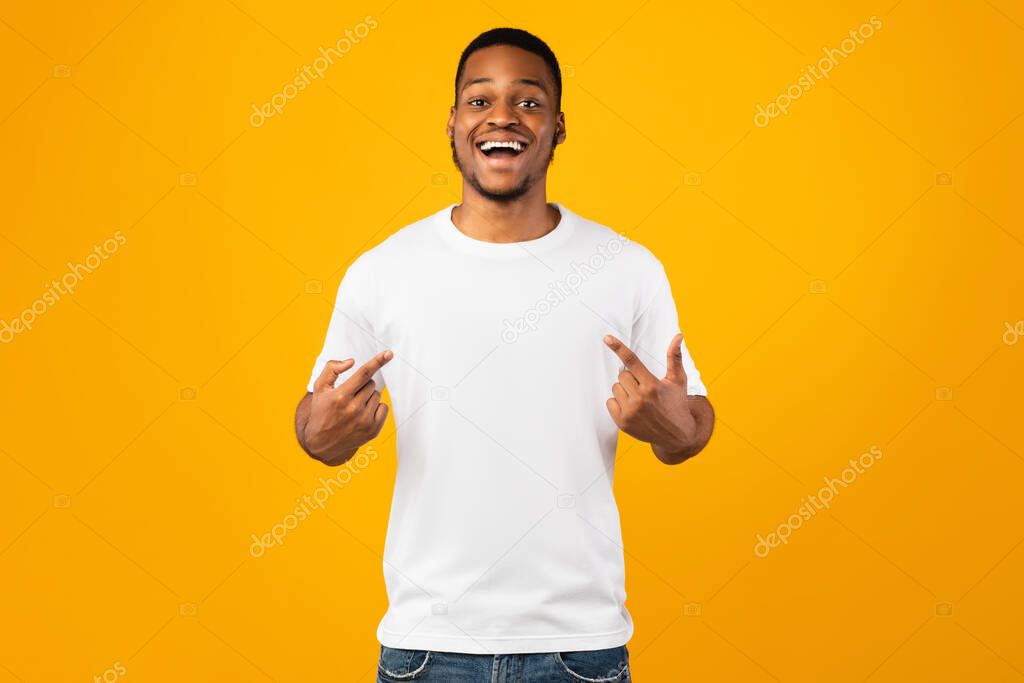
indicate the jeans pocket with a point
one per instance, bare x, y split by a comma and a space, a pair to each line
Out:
398, 664
610, 665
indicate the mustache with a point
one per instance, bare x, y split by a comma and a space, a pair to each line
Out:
455, 155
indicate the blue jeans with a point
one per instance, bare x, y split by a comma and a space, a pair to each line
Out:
583, 666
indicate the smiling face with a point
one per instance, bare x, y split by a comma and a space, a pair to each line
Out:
505, 122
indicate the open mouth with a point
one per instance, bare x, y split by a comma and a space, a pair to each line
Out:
501, 149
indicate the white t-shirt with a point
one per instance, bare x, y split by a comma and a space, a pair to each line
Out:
504, 533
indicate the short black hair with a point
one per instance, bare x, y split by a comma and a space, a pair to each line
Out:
516, 38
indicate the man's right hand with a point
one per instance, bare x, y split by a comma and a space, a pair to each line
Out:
343, 418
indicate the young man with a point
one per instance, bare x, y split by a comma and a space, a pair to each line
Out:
516, 339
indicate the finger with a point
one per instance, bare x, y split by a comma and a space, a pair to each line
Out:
629, 381
365, 373
620, 394
675, 372
629, 359
364, 393
379, 415
614, 409
330, 373
373, 401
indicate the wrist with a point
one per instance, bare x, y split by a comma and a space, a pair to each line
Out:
672, 455
678, 442
670, 449
328, 454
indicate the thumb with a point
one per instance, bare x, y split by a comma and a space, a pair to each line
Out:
674, 362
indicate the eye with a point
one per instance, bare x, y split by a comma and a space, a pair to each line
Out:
476, 102
533, 104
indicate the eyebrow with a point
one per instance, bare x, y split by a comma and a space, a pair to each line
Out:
524, 81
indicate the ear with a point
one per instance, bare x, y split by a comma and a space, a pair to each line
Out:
450, 127
560, 128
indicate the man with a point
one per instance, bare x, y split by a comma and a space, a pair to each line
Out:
516, 338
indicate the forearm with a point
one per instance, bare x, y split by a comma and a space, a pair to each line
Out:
681, 449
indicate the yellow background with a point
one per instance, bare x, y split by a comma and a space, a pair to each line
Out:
844, 276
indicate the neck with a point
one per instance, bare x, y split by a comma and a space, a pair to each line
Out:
527, 218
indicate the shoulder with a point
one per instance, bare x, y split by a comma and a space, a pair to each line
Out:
617, 245
397, 249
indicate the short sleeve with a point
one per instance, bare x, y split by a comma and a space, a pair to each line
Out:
350, 331
654, 329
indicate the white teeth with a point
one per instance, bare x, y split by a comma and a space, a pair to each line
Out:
511, 144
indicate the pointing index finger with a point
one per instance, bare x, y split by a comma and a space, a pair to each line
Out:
366, 372
628, 358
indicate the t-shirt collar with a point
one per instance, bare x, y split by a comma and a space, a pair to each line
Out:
561, 232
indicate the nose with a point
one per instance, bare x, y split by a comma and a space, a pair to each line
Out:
503, 115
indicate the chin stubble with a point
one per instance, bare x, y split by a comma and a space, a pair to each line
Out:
508, 195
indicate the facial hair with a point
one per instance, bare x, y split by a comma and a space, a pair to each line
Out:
506, 195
